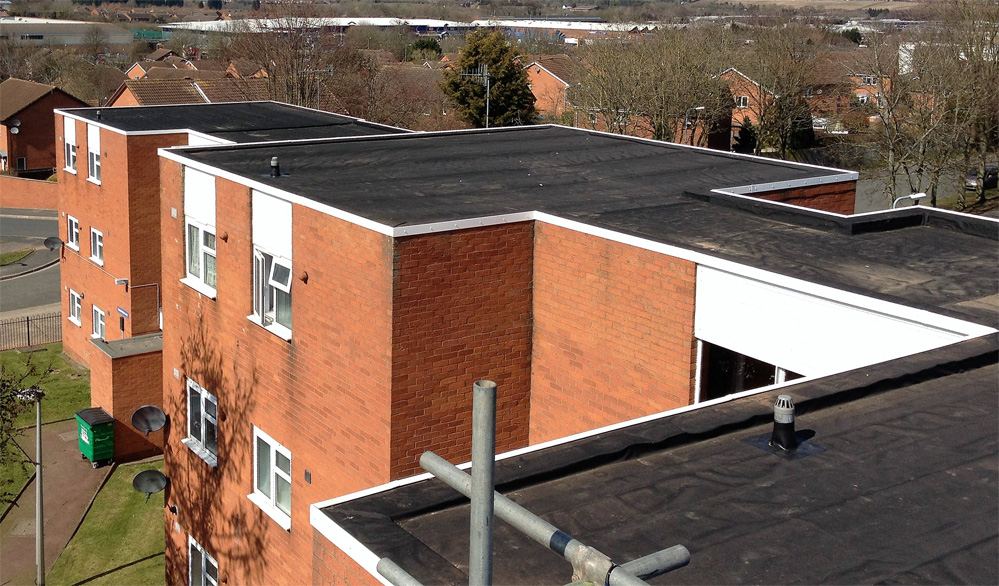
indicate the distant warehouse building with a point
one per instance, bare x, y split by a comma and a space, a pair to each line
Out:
51, 32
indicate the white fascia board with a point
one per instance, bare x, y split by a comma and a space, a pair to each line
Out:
548, 71
345, 542
777, 203
841, 177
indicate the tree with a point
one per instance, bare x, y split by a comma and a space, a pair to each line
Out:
745, 142
511, 102
95, 40
11, 405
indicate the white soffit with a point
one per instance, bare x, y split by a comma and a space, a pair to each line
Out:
809, 333
199, 196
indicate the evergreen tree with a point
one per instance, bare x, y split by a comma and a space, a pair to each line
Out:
511, 102
745, 141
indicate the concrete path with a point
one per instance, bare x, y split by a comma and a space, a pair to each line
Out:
69, 485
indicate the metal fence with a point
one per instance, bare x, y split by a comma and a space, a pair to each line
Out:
19, 332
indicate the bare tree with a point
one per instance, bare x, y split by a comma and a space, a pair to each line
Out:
95, 41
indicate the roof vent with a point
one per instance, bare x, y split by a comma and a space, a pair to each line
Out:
783, 436
98, 114
275, 168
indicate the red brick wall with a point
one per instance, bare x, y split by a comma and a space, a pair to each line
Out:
28, 193
613, 333
838, 198
549, 92
332, 567
121, 386
35, 140
125, 208
324, 395
462, 312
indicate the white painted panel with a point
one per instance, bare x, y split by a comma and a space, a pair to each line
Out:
199, 196
93, 139
272, 224
198, 139
68, 130
806, 332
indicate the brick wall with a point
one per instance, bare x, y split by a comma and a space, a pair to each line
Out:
28, 193
332, 567
613, 333
462, 312
838, 198
122, 385
35, 140
324, 395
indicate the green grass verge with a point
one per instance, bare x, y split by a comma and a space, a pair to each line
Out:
9, 258
121, 541
66, 386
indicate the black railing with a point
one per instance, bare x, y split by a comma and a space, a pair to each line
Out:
19, 332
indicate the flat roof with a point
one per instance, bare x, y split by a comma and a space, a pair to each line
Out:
658, 192
896, 481
236, 121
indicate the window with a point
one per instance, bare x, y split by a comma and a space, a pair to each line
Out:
202, 423
725, 371
272, 264
867, 80
32, 37
96, 246
93, 153
201, 255
22, 163
73, 233
742, 102
75, 307
3, 161
271, 478
272, 289
69, 143
202, 570
863, 98
98, 324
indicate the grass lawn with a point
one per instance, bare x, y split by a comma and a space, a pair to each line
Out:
9, 258
67, 390
67, 387
121, 540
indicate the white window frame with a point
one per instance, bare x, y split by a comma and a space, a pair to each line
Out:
742, 101
203, 577
265, 291
73, 233
94, 154
69, 144
265, 498
75, 308
97, 246
868, 80
197, 441
100, 325
863, 98
200, 252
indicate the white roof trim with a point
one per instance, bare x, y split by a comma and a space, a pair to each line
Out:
549, 71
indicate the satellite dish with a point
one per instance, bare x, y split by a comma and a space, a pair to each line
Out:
15, 130
15, 123
148, 418
149, 482
53, 242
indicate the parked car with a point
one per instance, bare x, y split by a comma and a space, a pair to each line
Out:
991, 178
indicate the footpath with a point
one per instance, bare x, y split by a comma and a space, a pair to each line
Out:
69, 484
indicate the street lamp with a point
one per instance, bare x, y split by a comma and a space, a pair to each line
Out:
915, 197
686, 121
36, 396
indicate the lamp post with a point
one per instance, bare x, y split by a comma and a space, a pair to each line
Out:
915, 197
686, 121
36, 396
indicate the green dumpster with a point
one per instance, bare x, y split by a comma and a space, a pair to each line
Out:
95, 431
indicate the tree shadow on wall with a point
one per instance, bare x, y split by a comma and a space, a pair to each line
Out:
212, 502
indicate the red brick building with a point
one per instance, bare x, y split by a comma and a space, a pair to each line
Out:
359, 286
27, 144
109, 177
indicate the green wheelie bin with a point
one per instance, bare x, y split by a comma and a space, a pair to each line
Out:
95, 432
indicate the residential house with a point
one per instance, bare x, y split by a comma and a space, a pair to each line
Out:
159, 92
748, 96
551, 77
109, 214
359, 285
27, 127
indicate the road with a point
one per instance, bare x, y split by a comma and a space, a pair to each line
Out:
21, 229
871, 195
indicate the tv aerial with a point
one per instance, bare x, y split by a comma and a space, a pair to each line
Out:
149, 482
148, 418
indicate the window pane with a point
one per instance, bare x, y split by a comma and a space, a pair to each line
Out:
210, 270
194, 414
209, 240
282, 494
211, 443
212, 570
282, 302
263, 467
193, 252
283, 463
195, 577
282, 274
